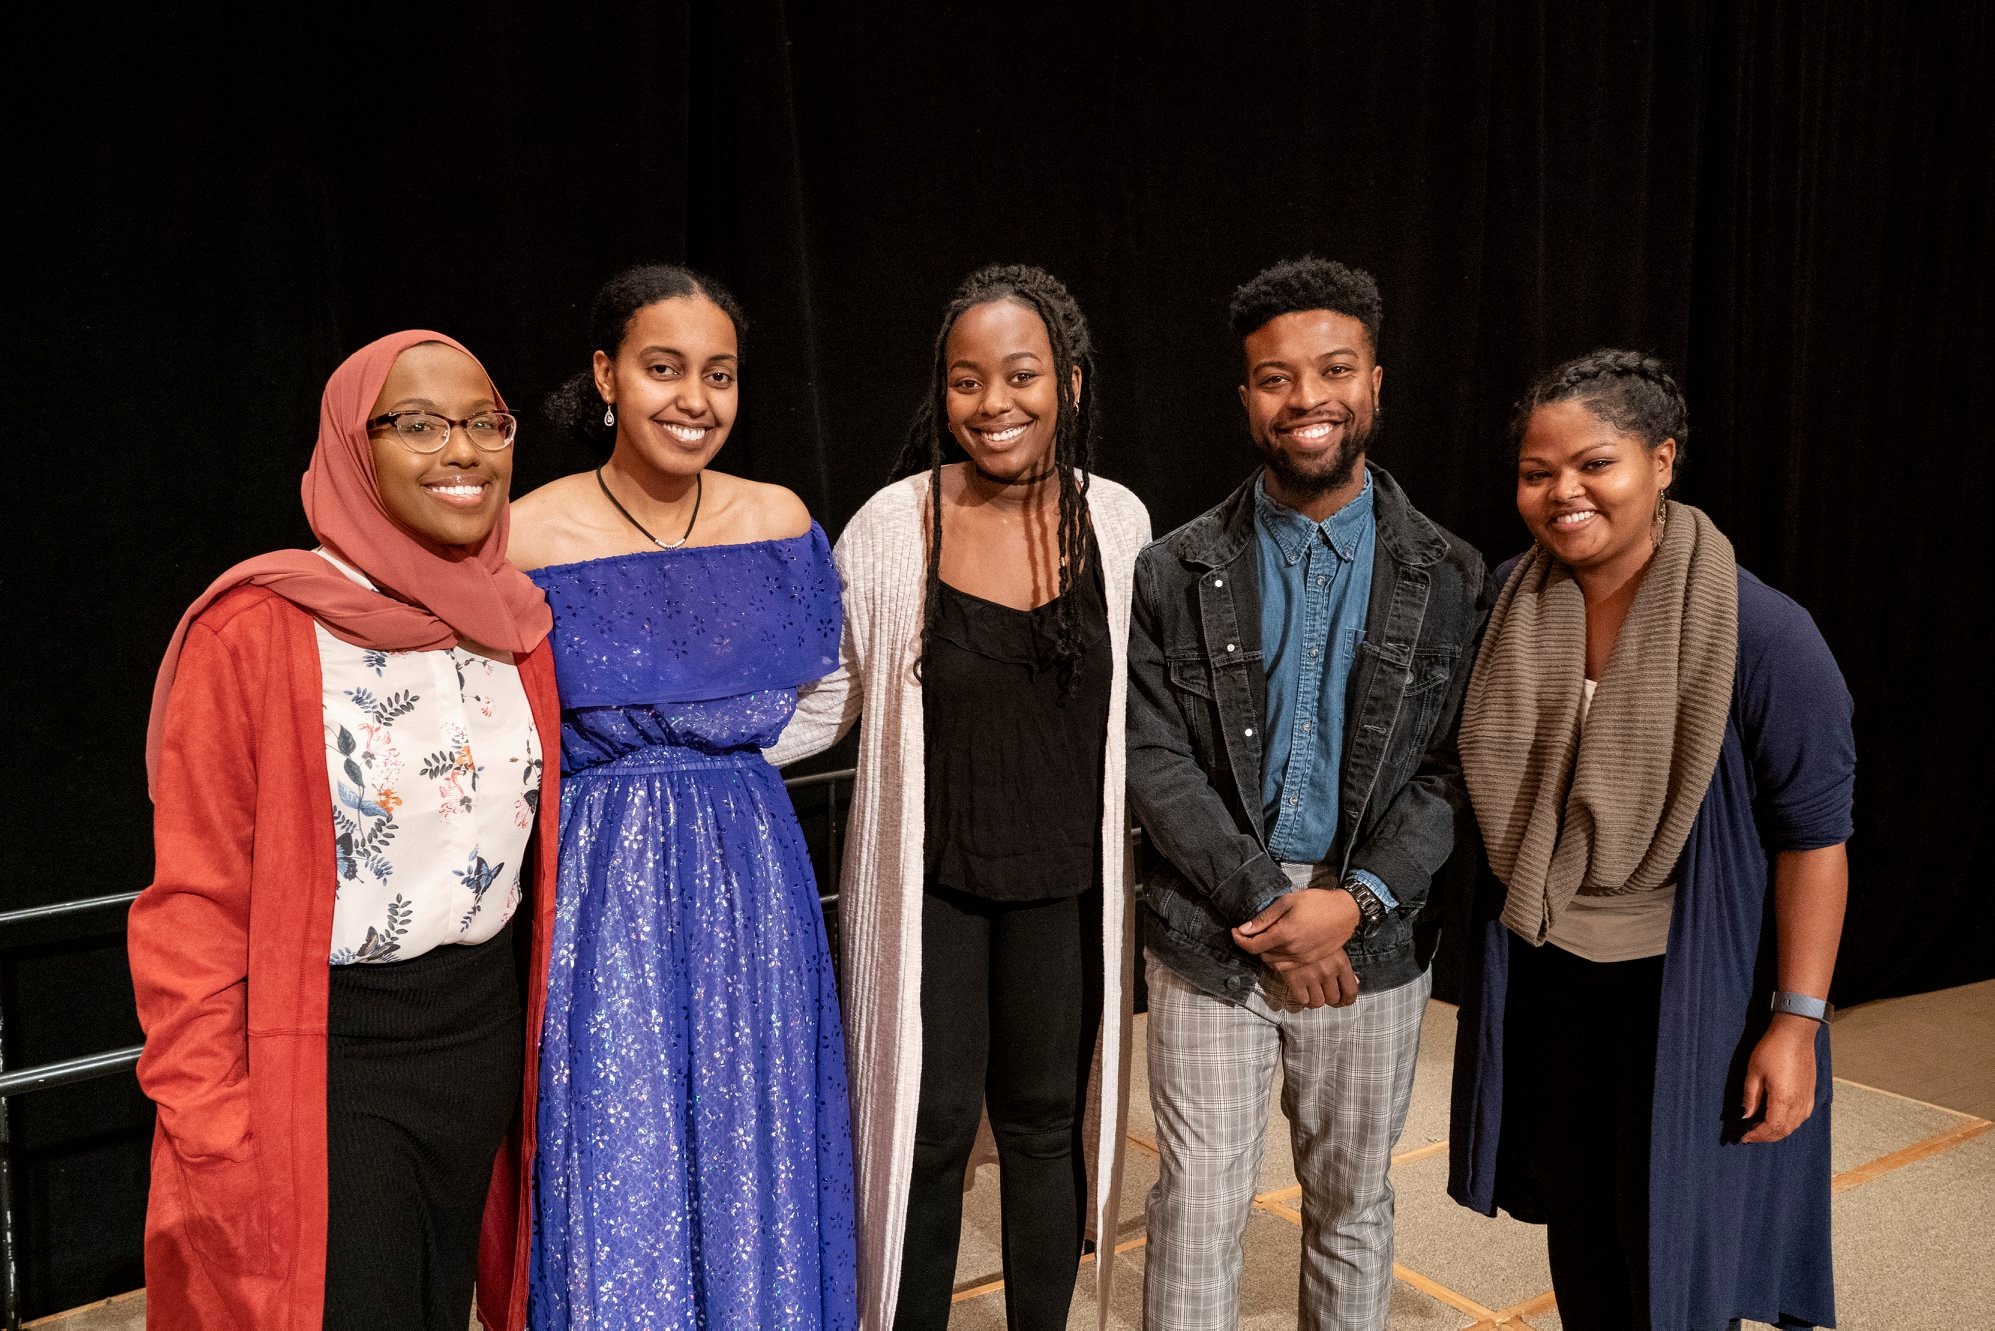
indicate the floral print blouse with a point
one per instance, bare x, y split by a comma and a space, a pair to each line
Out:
435, 773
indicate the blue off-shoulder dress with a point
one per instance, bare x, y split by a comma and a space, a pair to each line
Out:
694, 1145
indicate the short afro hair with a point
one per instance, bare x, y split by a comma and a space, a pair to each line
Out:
1308, 283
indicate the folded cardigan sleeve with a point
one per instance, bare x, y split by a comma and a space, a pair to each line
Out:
188, 935
1796, 716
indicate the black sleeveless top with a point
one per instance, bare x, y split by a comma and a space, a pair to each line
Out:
1015, 746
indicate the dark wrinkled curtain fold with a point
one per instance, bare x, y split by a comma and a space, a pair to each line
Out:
1790, 201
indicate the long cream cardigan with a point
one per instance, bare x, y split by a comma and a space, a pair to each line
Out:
882, 561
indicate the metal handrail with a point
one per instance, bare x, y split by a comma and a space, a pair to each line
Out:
69, 1071
819, 778
56, 910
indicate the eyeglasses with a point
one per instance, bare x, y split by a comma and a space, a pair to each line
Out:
427, 432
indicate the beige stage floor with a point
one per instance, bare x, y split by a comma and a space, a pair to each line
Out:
1914, 1205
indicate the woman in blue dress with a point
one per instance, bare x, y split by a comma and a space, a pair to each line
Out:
1659, 752
694, 1159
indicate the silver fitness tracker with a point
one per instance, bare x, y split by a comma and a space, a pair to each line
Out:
1801, 1005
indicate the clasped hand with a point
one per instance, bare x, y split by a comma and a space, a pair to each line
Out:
1301, 937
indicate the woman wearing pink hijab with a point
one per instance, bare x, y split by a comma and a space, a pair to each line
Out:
352, 802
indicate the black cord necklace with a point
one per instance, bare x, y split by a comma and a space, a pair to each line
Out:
699, 489
1016, 481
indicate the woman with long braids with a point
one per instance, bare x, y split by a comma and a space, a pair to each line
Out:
984, 896
695, 1163
1658, 748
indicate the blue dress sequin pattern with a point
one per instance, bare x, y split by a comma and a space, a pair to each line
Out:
695, 1159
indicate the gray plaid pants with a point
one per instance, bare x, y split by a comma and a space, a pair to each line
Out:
1347, 1079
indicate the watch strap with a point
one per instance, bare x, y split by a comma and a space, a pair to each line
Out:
1802, 1005
1370, 909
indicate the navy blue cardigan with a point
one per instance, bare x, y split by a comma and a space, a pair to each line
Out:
1734, 1230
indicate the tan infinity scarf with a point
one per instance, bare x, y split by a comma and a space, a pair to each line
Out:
1607, 812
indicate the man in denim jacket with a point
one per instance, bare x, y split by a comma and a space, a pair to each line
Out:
1297, 662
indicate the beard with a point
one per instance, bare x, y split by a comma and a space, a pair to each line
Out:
1331, 473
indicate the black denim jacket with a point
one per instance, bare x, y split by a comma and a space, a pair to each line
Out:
1198, 707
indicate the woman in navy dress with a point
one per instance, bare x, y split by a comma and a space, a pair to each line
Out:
1659, 752
694, 1152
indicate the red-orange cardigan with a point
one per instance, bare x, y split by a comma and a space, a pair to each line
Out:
228, 949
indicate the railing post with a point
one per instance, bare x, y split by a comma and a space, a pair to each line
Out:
831, 801
10, 1276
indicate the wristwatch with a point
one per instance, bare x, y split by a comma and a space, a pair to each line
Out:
1801, 1005
1370, 909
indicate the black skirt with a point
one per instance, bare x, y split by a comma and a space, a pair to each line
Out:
423, 1068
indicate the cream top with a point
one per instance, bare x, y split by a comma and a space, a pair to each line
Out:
434, 766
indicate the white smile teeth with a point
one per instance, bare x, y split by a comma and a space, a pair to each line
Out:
687, 434
457, 491
1003, 436
1572, 519
1312, 433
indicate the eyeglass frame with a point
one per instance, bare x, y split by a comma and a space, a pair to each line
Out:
387, 420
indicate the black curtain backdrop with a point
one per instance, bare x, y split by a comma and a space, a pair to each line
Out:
1790, 201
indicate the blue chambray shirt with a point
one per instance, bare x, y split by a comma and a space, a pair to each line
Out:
1316, 583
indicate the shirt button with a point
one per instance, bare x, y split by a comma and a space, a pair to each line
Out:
1320, 580
1305, 727
1248, 732
1312, 653
1219, 582
1232, 646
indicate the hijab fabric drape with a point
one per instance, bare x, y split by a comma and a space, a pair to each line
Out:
431, 596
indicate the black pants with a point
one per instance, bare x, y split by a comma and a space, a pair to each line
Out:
1580, 1046
423, 1076
1010, 999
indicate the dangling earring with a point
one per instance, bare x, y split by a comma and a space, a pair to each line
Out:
1662, 515
610, 415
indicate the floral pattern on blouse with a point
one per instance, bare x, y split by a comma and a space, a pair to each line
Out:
435, 769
